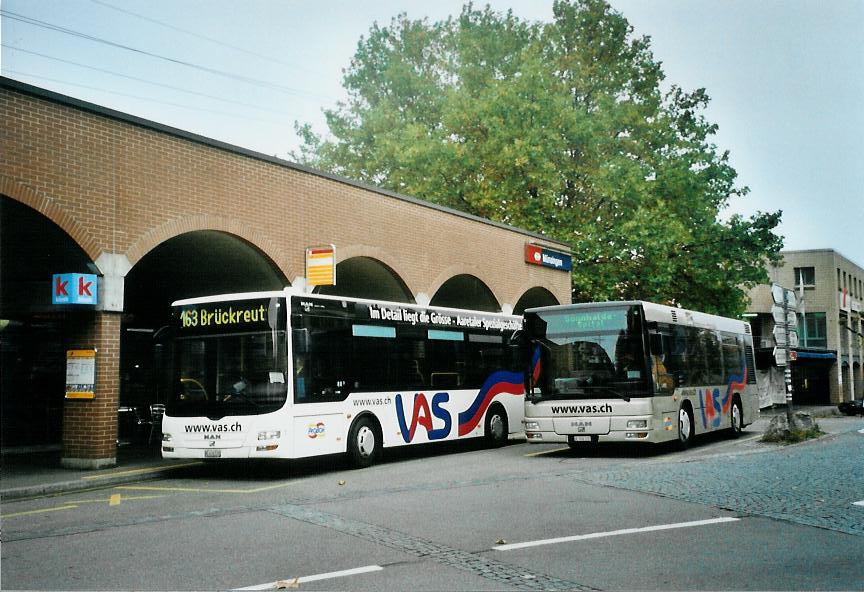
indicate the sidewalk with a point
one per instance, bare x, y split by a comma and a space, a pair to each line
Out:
30, 474
817, 411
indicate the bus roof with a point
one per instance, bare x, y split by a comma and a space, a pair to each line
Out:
663, 314
288, 292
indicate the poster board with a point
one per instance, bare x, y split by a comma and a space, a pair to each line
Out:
81, 374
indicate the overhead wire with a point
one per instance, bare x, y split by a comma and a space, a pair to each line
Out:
137, 79
197, 35
239, 77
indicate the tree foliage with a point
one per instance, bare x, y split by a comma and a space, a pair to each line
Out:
560, 128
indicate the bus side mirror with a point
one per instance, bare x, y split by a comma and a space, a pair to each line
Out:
300, 338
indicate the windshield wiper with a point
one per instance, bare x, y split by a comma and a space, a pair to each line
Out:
607, 389
240, 395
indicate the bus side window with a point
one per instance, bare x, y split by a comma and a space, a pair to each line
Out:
661, 345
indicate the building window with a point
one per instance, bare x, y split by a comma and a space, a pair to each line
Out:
805, 276
813, 330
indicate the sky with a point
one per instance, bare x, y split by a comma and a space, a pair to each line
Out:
785, 78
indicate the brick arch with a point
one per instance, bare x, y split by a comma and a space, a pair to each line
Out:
528, 286
186, 224
481, 274
48, 207
380, 255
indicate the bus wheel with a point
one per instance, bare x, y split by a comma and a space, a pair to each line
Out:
496, 426
364, 444
685, 428
736, 418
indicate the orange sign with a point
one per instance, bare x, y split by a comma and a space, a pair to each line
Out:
321, 266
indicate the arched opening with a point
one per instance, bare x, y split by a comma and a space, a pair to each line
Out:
533, 298
199, 263
33, 332
365, 277
466, 291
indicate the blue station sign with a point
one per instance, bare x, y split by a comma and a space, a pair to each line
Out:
74, 288
537, 255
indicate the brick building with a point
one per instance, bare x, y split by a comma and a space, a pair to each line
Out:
831, 347
159, 214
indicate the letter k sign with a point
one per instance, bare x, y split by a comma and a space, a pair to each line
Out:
60, 287
74, 288
84, 288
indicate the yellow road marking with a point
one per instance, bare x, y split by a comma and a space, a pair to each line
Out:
139, 471
39, 511
115, 500
205, 489
542, 452
125, 498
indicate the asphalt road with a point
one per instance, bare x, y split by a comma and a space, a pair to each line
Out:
727, 514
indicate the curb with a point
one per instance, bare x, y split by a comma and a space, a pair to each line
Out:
89, 483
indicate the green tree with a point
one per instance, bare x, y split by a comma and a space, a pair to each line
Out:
561, 128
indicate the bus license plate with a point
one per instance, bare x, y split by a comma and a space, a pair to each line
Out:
212, 453
575, 439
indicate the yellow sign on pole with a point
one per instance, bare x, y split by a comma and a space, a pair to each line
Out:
321, 266
81, 374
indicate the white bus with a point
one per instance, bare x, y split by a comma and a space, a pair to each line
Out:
291, 375
636, 372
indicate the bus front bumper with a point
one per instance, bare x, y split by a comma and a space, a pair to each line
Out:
621, 429
270, 451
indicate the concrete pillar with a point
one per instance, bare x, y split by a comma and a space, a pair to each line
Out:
90, 425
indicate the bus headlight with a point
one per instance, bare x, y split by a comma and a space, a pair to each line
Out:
637, 424
269, 435
166, 437
532, 425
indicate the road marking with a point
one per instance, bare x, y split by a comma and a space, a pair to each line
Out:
542, 452
125, 498
597, 535
139, 471
861, 503
38, 511
206, 490
294, 582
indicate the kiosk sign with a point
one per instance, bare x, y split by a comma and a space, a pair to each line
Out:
74, 288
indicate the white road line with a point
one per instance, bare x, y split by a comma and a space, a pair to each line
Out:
293, 582
861, 503
597, 535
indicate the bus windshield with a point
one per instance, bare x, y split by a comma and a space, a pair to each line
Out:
229, 358
590, 353
223, 375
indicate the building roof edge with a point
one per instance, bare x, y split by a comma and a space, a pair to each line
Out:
55, 97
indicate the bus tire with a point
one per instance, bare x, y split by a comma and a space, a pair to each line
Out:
496, 433
685, 427
736, 418
364, 442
